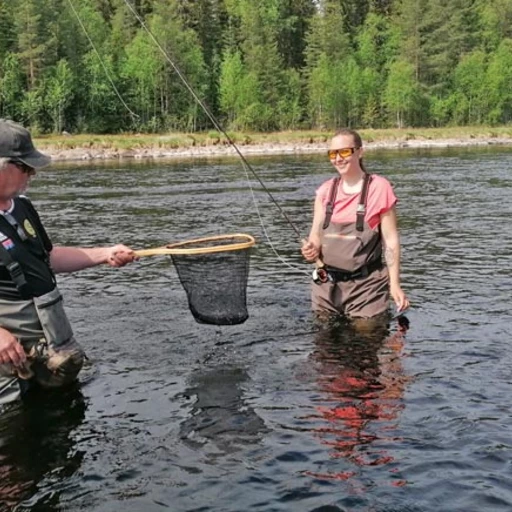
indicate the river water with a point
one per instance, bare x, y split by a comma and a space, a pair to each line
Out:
276, 414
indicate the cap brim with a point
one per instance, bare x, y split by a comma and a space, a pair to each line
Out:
36, 159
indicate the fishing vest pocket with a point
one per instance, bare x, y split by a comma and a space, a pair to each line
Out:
54, 321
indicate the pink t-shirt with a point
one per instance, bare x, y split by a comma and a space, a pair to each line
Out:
381, 198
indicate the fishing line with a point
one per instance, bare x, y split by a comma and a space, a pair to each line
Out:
133, 114
217, 125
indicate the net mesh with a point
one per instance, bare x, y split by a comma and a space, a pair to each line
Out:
215, 282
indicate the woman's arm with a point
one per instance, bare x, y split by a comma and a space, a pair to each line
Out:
311, 247
70, 259
391, 239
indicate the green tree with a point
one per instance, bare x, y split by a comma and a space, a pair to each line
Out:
231, 87
376, 46
495, 22
32, 108
409, 19
31, 44
142, 70
327, 54
499, 84
401, 92
294, 21
7, 31
469, 93
101, 110
208, 19
59, 94
12, 87
259, 26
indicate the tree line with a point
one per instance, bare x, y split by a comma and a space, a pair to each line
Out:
109, 66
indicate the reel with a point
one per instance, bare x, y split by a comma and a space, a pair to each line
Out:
321, 276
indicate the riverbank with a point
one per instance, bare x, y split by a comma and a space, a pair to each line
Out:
136, 146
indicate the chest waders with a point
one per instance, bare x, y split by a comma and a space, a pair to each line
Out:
54, 358
356, 281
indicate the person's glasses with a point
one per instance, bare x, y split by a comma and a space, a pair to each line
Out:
343, 152
23, 167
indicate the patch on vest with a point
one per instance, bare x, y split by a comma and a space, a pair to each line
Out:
29, 228
8, 243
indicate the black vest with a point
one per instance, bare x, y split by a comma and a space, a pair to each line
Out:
27, 244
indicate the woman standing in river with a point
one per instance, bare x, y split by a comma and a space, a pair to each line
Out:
354, 226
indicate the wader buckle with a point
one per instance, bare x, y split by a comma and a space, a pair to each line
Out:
14, 269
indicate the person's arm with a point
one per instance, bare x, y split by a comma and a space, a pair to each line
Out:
391, 238
70, 259
311, 247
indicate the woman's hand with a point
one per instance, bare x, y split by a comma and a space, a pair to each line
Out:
310, 251
401, 300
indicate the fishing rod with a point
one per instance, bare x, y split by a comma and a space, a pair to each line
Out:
212, 118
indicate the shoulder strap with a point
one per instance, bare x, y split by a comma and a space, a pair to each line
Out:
330, 205
361, 207
15, 271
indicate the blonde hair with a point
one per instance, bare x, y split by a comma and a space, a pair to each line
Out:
3, 162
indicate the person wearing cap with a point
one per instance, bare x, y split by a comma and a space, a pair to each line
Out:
37, 345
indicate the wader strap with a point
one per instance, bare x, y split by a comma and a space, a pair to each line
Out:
16, 273
14, 223
361, 207
330, 205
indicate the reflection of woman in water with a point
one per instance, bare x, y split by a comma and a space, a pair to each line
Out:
361, 377
35, 441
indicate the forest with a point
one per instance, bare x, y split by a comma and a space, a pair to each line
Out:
115, 66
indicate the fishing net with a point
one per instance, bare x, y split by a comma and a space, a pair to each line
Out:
213, 272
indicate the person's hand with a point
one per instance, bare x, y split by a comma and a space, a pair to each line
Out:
119, 255
401, 300
310, 251
11, 350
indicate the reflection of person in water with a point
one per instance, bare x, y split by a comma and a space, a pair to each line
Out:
35, 441
220, 412
361, 376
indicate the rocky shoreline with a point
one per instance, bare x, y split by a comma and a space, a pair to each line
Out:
88, 154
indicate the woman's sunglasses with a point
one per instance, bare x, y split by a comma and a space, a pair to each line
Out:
343, 152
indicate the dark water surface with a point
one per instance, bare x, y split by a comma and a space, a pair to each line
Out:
275, 414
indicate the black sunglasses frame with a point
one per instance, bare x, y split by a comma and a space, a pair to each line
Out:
23, 167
